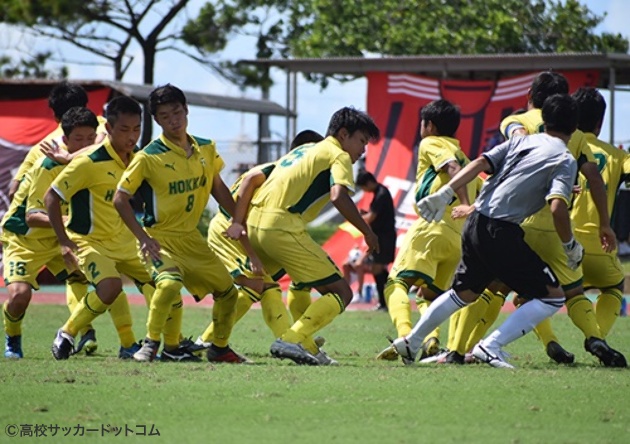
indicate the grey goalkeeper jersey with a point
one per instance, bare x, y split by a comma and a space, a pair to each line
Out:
526, 172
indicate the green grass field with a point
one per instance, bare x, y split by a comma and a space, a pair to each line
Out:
361, 401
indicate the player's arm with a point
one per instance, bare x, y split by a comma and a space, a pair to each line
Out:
52, 201
249, 185
598, 193
51, 150
452, 168
341, 199
222, 194
148, 245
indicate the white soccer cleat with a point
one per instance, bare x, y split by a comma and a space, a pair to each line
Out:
435, 358
493, 356
403, 348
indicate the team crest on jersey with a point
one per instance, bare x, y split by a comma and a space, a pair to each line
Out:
203, 161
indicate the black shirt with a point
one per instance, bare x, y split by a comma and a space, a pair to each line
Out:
383, 207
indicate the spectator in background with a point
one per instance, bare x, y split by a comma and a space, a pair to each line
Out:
381, 218
357, 263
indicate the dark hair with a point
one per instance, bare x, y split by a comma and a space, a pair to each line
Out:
77, 117
121, 105
353, 120
364, 177
165, 94
560, 113
306, 136
444, 115
64, 96
591, 107
547, 84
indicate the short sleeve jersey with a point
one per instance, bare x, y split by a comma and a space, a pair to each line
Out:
88, 185
614, 166
434, 153
266, 169
301, 181
527, 171
533, 123
34, 153
14, 220
175, 189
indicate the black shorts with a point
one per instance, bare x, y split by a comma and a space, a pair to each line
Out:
494, 249
387, 249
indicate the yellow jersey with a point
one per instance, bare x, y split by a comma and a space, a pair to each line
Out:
433, 154
88, 184
614, 166
175, 189
299, 186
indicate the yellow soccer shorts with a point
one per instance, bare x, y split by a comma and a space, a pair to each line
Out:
295, 253
231, 252
429, 255
100, 260
601, 269
23, 259
548, 246
201, 269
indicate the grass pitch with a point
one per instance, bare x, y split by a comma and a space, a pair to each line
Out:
361, 401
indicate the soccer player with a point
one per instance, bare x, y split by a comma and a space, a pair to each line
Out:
254, 288
94, 239
539, 232
29, 241
62, 97
429, 253
302, 182
382, 220
526, 173
175, 174
602, 270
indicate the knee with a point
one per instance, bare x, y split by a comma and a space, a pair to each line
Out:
169, 285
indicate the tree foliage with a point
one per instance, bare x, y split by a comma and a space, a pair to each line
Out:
30, 68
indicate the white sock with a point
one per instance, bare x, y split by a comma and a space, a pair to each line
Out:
522, 321
439, 310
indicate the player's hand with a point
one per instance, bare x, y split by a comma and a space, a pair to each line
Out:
257, 266
235, 231
576, 189
608, 238
575, 253
433, 206
462, 211
68, 250
371, 240
150, 248
51, 150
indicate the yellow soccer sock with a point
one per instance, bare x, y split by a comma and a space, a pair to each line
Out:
147, 291
121, 317
396, 295
12, 325
298, 301
274, 311
581, 312
608, 309
75, 291
244, 301
319, 314
167, 288
453, 322
468, 320
497, 301
223, 316
88, 309
173, 326
545, 333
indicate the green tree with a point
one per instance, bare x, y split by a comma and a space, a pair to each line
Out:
105, 28
411, 27
30, 68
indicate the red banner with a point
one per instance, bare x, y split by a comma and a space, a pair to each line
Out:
395, 101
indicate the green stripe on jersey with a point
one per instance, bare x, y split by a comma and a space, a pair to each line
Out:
81, 211
320, 187
156, 147
100, 155
147, 194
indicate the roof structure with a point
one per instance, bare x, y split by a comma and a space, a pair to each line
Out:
614, 68
11, 89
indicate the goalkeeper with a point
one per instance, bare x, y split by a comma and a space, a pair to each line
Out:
526, 173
